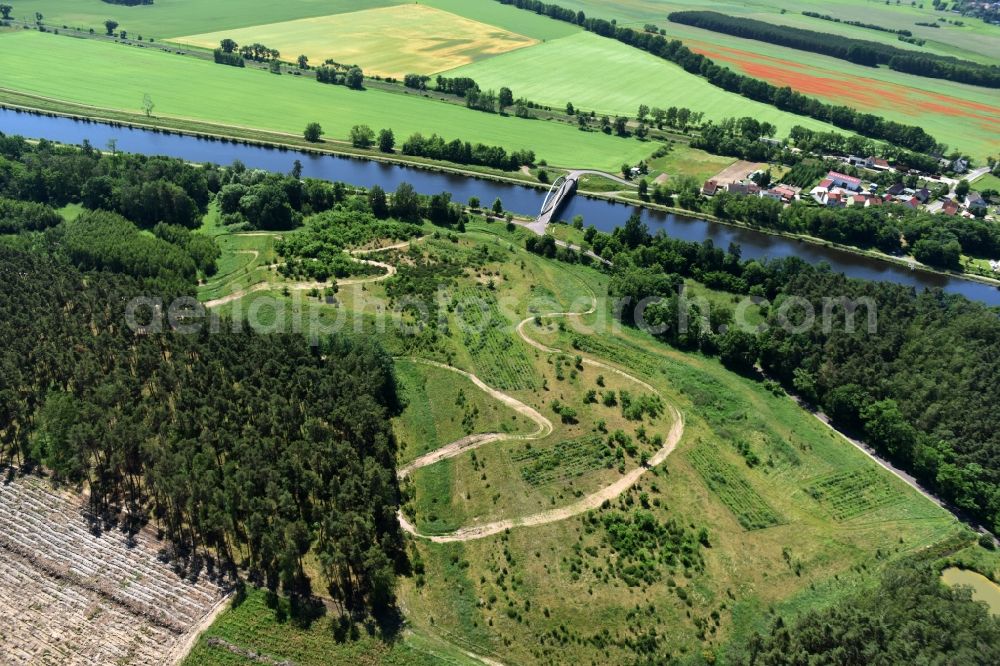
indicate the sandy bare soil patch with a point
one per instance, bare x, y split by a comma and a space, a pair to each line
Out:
734, 173
69, 595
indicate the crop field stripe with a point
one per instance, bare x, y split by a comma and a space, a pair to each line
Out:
500, 358
411, 39
750, 509
566, 460
852, 493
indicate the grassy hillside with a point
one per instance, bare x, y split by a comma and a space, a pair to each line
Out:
602, 74
265, 625
113, 76
794, 517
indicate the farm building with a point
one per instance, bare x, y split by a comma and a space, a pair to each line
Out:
843, 180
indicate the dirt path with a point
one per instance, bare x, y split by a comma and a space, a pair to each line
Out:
544, 426
183, 648
389, 269
588, 503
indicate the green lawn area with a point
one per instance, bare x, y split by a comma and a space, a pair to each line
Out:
112, 76
682, 160
601, 74
987, 182
170, 18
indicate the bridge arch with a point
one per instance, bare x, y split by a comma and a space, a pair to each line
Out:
552, 198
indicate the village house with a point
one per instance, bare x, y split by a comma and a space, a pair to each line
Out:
743, 189
974, 202
949, 208
784, 193
896, 189
709, 188
877, 163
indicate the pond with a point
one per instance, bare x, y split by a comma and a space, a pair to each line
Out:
983, 589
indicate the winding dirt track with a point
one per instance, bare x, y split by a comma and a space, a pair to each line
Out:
544, 425
389, 269
582, 505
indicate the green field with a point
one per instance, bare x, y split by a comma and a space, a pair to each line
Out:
974, 40
507, 17
112, 76
411, 39
962, 116
569, 69
170, 18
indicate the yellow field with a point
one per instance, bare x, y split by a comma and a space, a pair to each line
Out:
390, 41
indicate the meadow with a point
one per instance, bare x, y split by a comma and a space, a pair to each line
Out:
411, 39
600, 74
759, 510
113, 76
987, 182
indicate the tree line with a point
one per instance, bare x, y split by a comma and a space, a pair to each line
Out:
250, 449
920, 389
146, 190
858, 51
786, 99
878, 627
463, 152
253, 450
352, 77
860, 24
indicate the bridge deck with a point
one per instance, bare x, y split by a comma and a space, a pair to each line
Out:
554, 203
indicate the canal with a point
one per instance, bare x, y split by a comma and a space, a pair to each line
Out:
602, 214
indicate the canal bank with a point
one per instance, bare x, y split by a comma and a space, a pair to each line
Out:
516, 197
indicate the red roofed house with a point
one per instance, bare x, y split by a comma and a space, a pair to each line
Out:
859, 199
786, 193
709, 188
843, 180
949, 208
826, 183
834, 199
